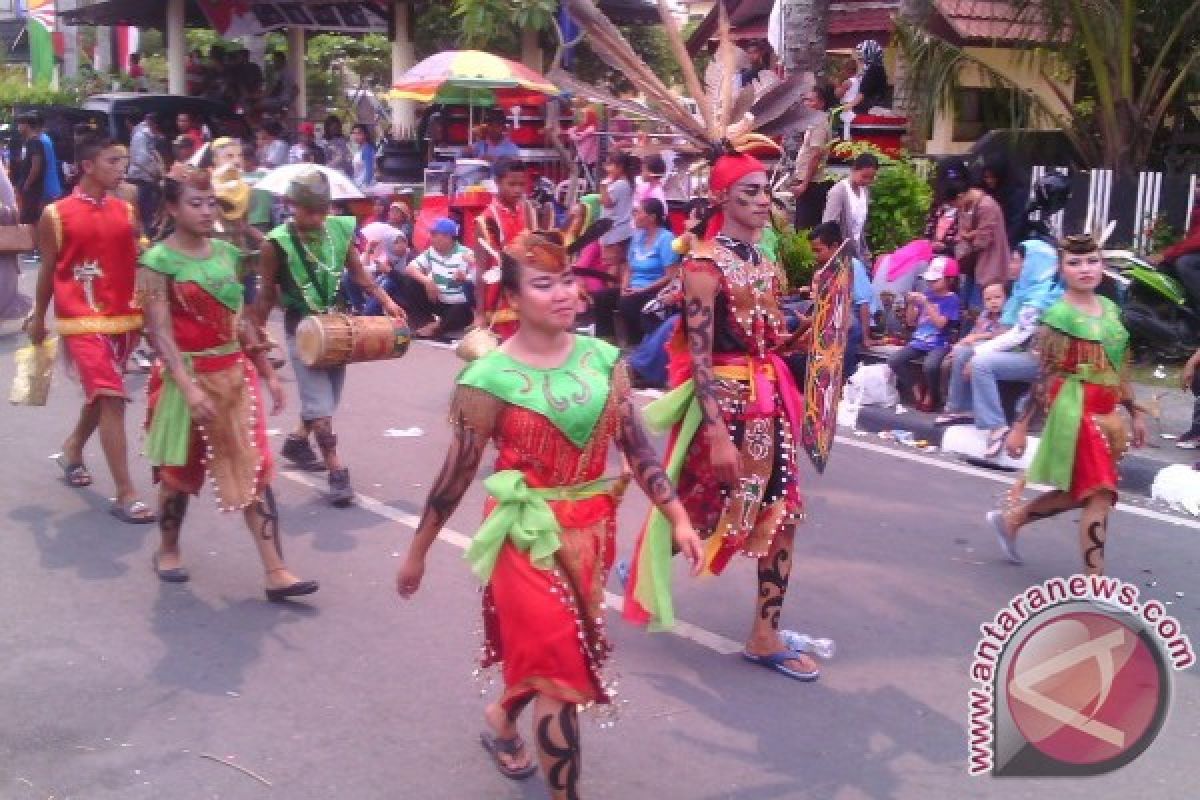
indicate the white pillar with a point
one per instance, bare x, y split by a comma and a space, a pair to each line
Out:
176, 49
531, 50
295, 58
70, 63
404, 118
102, 54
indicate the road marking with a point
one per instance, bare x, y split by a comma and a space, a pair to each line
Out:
685, 630
978, 472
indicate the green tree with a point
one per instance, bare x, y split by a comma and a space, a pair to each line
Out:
1133, 64
497, 24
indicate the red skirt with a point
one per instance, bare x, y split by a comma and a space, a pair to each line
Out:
546, 627
1101, 443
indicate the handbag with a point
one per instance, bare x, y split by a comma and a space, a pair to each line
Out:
16, 239
34, 371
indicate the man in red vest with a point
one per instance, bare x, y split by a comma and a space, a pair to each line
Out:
88, 246
510, 214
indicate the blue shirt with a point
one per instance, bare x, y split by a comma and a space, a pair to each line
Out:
51, 183
863, 291
928, 336
502, 149
649, 258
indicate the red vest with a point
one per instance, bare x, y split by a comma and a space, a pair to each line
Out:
97, 263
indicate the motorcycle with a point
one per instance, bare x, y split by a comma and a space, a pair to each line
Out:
1162, 321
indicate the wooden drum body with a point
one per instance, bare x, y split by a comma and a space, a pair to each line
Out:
331, 340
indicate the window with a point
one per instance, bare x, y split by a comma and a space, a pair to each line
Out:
978, 111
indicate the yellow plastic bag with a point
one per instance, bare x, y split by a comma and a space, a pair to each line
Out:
35, 368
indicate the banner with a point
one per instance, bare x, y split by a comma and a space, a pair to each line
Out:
233, 18
39, 24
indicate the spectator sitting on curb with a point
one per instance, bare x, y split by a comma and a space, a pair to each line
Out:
988, 325
933, 314
1008, 357
825, 239
444, 270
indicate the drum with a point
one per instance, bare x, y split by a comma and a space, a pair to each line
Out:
330, 340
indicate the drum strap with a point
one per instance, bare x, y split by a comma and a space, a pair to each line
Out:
302, 254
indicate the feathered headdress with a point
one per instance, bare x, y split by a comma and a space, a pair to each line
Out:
733, 118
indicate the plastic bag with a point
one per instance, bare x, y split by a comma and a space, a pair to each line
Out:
872, 385
35, 368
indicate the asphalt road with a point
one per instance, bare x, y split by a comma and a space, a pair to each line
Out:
113, 685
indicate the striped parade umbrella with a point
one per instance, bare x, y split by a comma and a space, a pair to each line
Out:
473, 78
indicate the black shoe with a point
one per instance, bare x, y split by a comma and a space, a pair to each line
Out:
295, 590
298, 451
340, 493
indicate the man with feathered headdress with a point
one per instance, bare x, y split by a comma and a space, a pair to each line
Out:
737, 417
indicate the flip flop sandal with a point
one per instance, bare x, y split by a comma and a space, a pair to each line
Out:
1008, 542
136, 513
76, 475
173, 575
995, 443
953, 419
1188, 444
777, 662
497, 747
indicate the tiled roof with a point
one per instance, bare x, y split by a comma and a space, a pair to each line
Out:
988, 20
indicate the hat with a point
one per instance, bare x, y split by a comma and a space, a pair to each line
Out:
309, 188
307, 128
941, 267
233, 194
446, 226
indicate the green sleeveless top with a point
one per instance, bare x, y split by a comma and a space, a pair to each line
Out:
1105, 329
217, 275
571, 396
314, 266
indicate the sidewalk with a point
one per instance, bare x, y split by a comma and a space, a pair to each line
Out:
1138, 470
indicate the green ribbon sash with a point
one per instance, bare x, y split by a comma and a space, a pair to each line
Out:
653, 587
1054, 462
523, 515
170, 431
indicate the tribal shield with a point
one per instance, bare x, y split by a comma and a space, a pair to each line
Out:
823, 379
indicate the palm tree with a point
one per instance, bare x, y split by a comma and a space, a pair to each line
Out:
1133, 64
805, 30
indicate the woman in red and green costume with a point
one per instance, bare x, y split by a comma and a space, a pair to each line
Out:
205, 410
735, 419
1083, 349
554, 404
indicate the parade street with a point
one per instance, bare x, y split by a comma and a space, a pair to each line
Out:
116, 686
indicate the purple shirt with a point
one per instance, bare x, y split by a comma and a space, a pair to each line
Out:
928, 336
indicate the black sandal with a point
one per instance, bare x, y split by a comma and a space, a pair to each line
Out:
497, 747
76, 475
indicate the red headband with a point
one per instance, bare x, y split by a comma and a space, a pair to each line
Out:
728, 170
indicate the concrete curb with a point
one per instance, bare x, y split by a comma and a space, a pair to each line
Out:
1137, 472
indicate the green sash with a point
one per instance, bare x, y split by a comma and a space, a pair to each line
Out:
524, 515
653, 590
171, 427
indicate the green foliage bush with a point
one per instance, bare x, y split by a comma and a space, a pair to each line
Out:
795, 255
15, 89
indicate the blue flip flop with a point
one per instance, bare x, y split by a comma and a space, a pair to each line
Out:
776, 661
